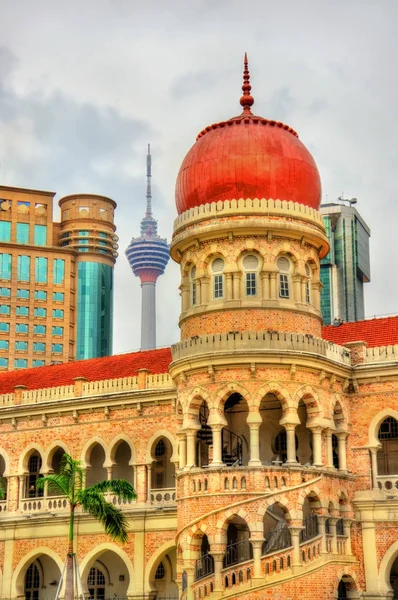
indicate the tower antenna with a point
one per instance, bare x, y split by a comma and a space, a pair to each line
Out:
148, 183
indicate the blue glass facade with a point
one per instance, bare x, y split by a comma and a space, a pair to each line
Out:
94, 310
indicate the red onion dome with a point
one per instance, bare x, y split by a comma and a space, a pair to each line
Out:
247, 157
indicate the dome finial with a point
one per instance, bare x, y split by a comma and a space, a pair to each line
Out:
247, 99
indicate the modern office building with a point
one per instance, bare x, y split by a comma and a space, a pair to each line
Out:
148, 256
262, 446
55, 278
346, 268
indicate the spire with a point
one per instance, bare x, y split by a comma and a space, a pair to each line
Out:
246, 100
148, 183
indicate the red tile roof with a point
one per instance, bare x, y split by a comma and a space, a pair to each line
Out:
376, 332
94, 369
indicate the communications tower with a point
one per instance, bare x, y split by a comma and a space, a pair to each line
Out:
148, 256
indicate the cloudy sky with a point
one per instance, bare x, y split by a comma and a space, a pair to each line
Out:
86, 84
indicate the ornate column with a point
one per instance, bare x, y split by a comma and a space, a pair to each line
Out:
257, 546
329, 449
347, 534
316, 446
316, 294
22, 494
148, 482
264, 285
373, 459
228, 286
218, 582
237, 278
322, 531
184, 289
295, 537
182, 449
273, 286
291, 443
109, 473
205, 281
341, 438
296, 279
216, 429
254, 421
333, 532
191, 448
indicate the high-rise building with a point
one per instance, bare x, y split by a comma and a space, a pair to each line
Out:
346, 267
55, 277
148, 256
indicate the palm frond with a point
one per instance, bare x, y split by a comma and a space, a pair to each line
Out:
72, 469
110, 517
58, 483
119, 487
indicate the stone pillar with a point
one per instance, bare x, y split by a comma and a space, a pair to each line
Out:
218, 582
322, 531
333, 532
329, 449
369, 553
141, 485
291, 443
198, 291
373, 459
217, 449
148, 481
185, 299
228, 286
257, 546
205, 289
191, 448
317, 446
316, 295
265, 285
295, 536
297, 288
254, 421
341, 438
236, 286
347, 534
273, 285
22, 484
182, 450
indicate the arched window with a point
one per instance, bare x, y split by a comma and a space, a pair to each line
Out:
160, 571
387, 456
32, 583
96, 584
193, 286
218, 278
34, 466
308, 272
250, 265
283, 264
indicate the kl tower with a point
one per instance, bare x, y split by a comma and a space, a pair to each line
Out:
148, 256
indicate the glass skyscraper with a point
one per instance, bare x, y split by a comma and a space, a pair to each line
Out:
347, 266
56, 279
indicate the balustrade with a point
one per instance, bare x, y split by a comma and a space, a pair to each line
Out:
204, 566
163, 497
310, 528
238, 552
388, 484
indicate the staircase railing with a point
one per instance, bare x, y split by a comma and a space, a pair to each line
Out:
311, 528
204, 566
277, 539
238, 552
232, 445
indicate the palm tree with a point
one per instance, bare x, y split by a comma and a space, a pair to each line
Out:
69, 483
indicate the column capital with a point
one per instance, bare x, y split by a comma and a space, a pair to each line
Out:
341, 435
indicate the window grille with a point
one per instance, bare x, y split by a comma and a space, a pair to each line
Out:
284, 286
160, 571
218, 286
160, 449
251, 287
389, 429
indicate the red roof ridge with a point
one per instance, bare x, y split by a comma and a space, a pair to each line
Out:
376, 332
93, 369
